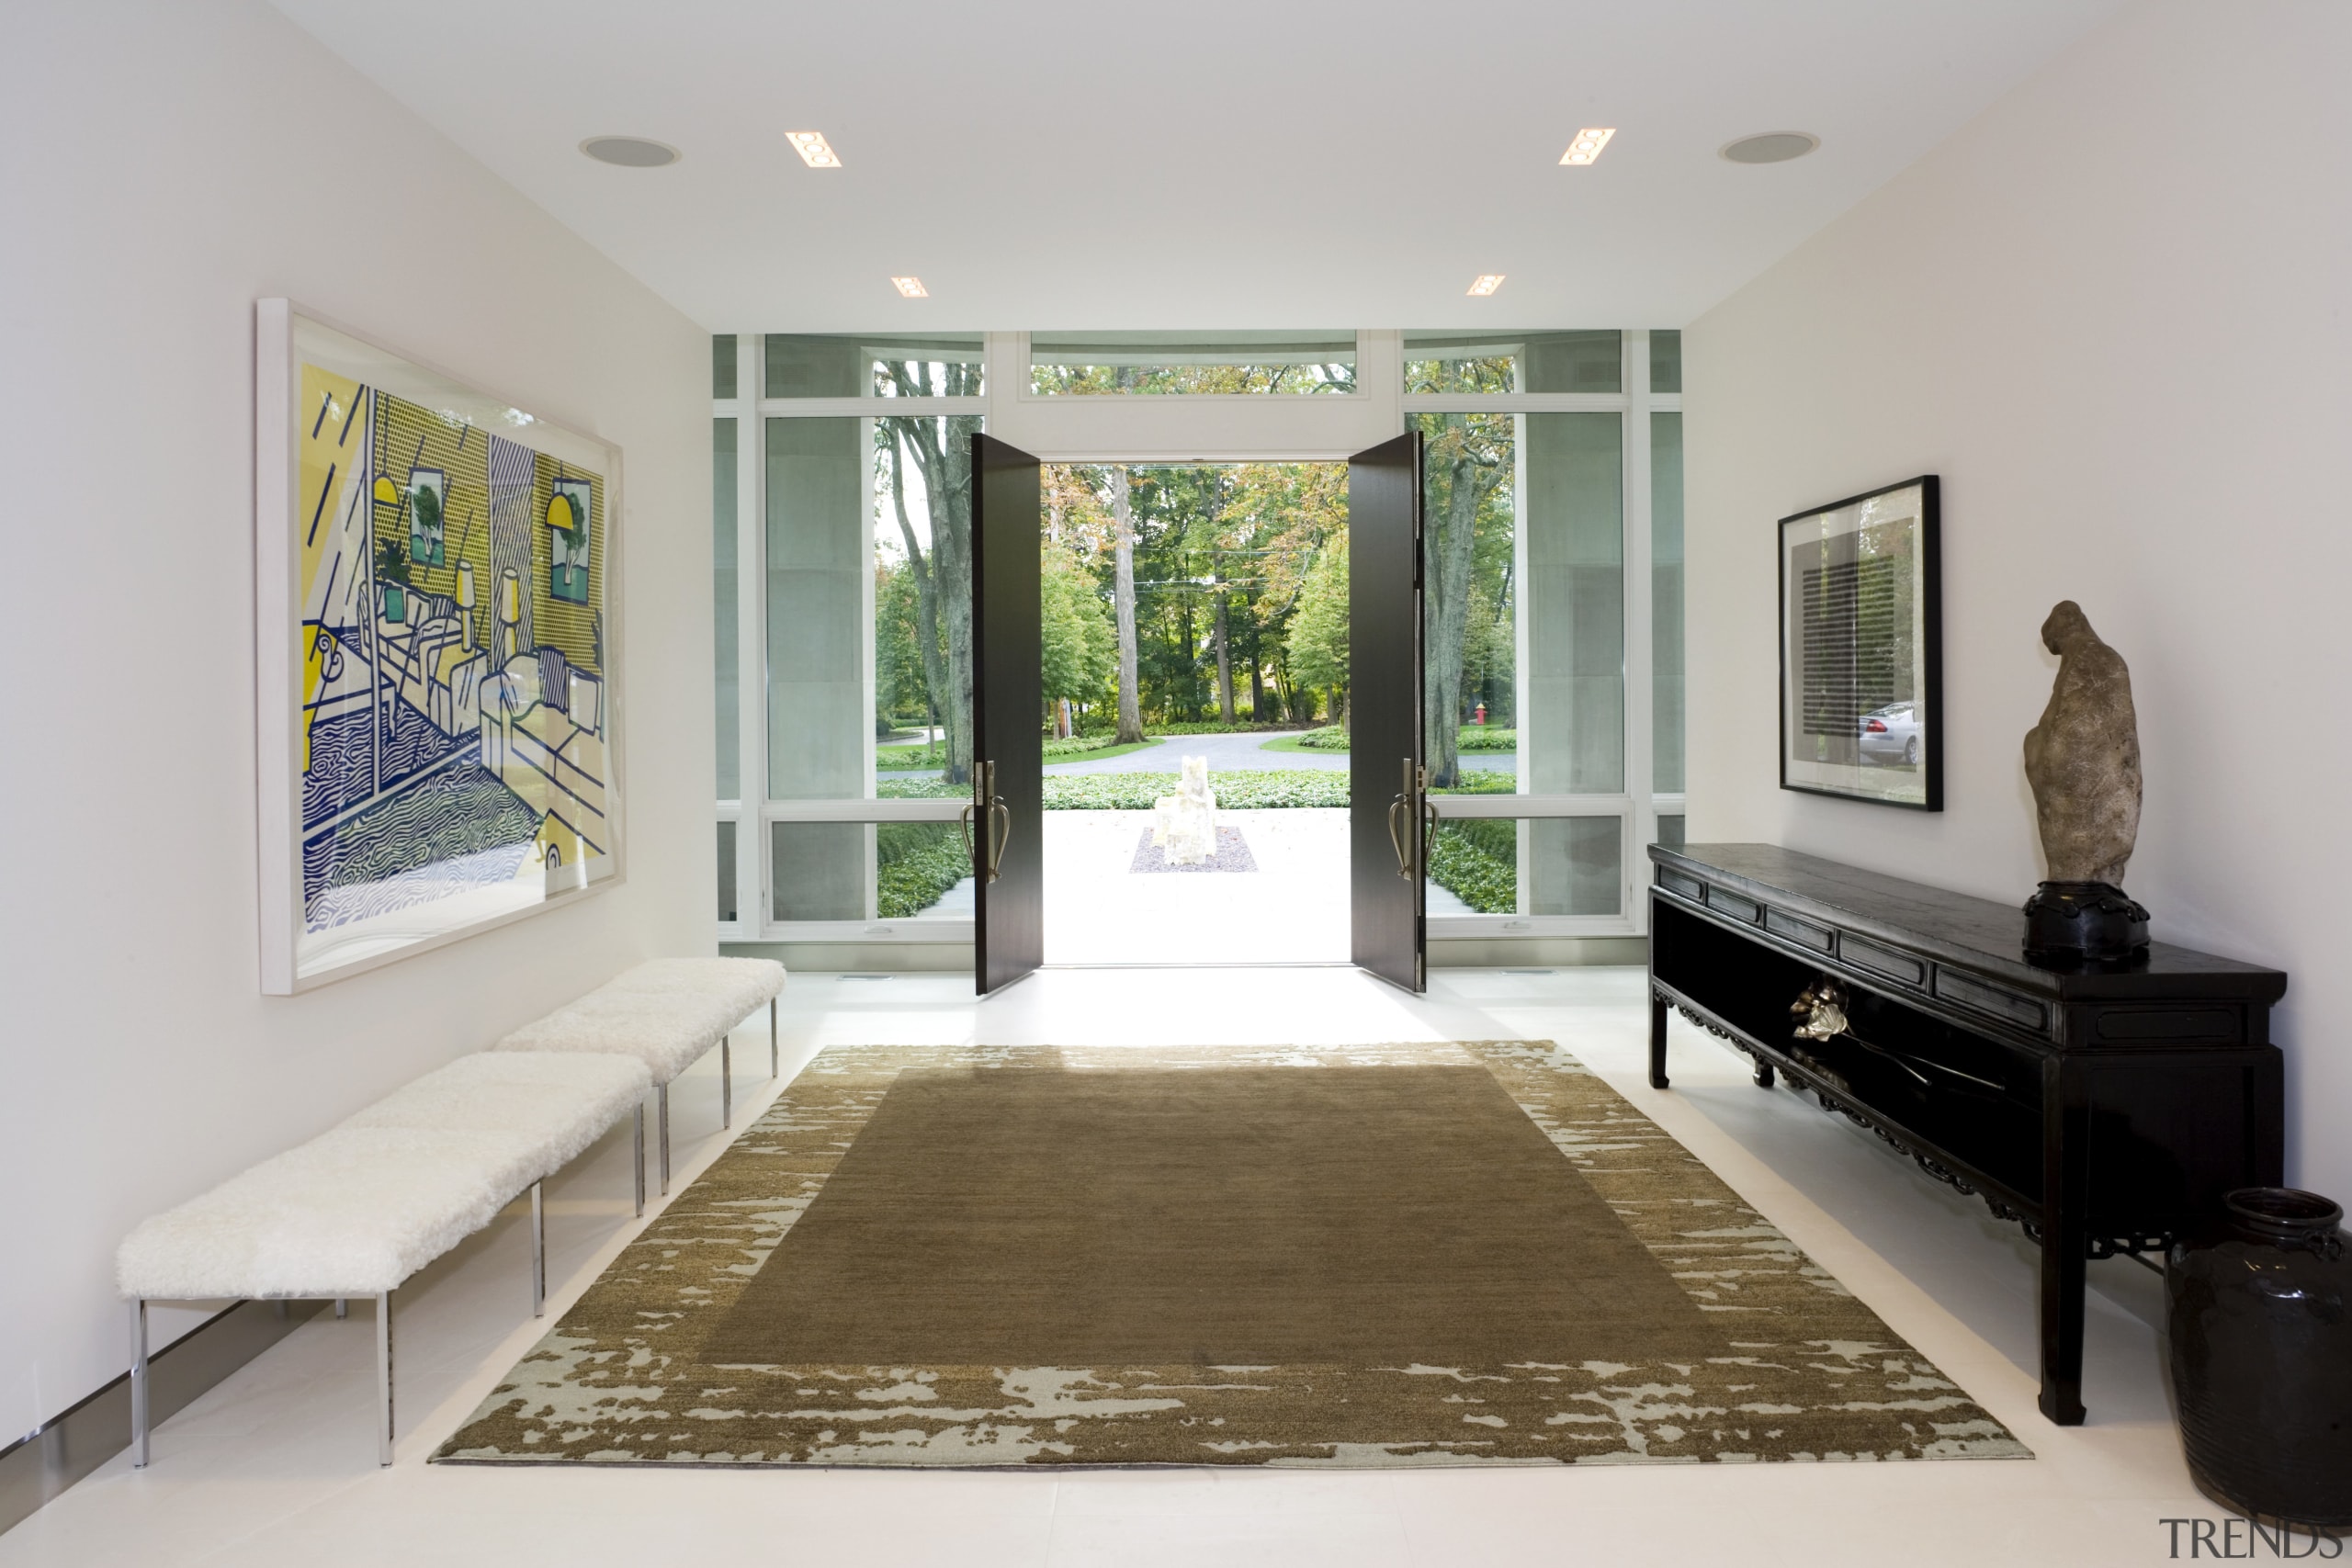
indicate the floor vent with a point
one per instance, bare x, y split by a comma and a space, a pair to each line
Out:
1531, 971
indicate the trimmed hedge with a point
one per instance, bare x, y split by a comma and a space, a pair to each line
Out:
1475, 737
1212, 726
1483, 781
1243, 789
1240, 789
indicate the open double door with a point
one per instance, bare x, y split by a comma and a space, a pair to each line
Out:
1390, 815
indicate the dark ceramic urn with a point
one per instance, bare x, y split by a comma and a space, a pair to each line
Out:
2260, 1318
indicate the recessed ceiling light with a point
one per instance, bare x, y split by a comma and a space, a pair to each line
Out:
629, 152
912, 287
814, 150
1587, 146
1773, 147
1487, 283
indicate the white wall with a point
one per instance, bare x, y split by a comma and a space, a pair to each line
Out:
2111, 314
162, 165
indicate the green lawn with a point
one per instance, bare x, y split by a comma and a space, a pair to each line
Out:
1095, 753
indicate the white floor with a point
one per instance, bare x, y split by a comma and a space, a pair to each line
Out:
276, 1466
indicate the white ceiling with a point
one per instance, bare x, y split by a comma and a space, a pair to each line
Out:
1071, 164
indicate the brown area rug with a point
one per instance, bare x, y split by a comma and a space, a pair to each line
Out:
1457, 1254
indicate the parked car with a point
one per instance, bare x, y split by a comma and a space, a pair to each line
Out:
1892, 735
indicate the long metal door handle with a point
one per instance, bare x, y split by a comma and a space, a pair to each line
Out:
975, 814
998, 812
1396, 838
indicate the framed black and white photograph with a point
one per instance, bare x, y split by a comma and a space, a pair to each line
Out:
1862, 656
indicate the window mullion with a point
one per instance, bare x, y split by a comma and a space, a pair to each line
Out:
1640, 752
752, 645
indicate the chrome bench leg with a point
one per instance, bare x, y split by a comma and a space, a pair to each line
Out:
776, 1061
539, 1250
725, 1081
384, 1378
341, 1307
663, 1092
139, 1384
641, 1159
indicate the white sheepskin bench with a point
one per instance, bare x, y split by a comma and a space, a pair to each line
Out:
666, 1014
746, 984
360, 1208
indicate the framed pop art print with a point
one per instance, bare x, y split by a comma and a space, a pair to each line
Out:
1862, 656
436, 669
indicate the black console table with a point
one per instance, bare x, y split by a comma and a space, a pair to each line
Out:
2106, 1110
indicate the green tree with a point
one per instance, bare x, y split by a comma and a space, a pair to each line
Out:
1079, 648
902, 685
1317, 643
939, 452
1466, 465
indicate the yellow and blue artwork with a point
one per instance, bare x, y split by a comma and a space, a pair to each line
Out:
454, 725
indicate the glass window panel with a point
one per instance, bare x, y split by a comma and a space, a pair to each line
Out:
726, 645
1669, 831
869, 561
1543, 866
1524, 603
870, 871
818, 498
1460, 363
1576, 865
1475, 863
1666, 362
821, 871
921, 564
921, 872
726, 871
1572, 685
1470, 638
722, 367
805, 365
1666, 603
1100, 364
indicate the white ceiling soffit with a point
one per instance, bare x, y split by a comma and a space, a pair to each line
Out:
1275, 163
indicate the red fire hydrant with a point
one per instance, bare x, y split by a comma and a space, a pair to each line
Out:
1482, 714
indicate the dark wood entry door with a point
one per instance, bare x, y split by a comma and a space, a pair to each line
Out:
1006, 815
1388, 793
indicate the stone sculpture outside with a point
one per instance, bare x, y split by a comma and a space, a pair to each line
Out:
1184, 824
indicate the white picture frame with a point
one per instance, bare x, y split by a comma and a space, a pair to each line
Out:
421, 775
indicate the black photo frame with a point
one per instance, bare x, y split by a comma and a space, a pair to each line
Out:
1862, 647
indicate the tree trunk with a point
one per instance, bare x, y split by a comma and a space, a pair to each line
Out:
1223, 660
935, 664
942, 450
1192, 665
1130, 731
1257, 690
1446, 555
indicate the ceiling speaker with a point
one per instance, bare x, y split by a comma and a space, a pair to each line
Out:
1773, 147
